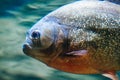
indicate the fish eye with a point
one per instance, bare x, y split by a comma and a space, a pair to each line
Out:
35, 34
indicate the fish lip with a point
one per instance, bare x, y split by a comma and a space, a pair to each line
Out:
26, 48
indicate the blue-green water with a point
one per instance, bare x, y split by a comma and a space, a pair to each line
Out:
15, 19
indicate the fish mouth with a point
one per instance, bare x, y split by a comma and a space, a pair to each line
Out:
26, 48
31, 51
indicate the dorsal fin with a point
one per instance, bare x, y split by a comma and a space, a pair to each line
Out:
113, 1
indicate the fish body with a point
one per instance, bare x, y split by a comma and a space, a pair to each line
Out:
81, 37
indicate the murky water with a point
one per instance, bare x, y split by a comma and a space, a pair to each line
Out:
15, 19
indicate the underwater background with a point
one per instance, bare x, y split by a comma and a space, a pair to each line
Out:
16, 17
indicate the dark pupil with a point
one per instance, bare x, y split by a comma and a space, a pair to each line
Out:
35, 35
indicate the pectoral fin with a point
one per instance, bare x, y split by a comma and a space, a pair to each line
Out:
78, 53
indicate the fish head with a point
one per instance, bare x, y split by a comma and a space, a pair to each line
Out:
42, 38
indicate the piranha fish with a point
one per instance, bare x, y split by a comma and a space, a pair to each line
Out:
81, 37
